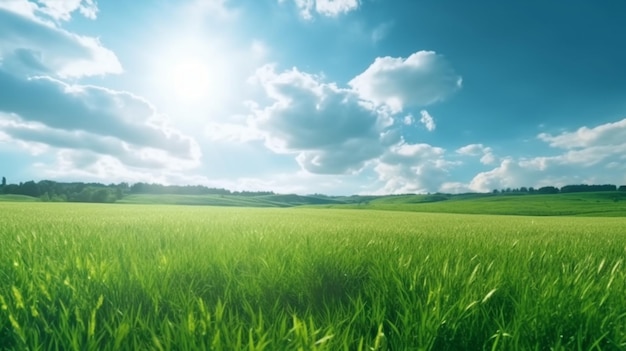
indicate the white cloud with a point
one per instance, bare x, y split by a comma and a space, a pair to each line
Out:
329, 128
587, 152
344, 131
92, 129
32, 46
471, 150
488, 158
22, 7
412, 168
305, 7
232, 132
408, 120
334, 130
454, 188
51, 11
605, 134
543, 171
86, 166
427, 120
63, 9
486, 153
421, 79
508, 175
534, 172
92, 119
404, 150
333, 8
197, 11
589, 146
329, 8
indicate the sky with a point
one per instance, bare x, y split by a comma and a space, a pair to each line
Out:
336, 97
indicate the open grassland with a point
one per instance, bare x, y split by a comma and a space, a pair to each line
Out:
17, 198
109, 277
229, 200
606, 204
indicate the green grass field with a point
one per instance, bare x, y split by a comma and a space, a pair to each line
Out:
17, 198
605, 204
136, 277
596, 204
229, 200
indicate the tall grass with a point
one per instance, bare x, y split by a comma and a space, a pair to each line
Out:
111, 277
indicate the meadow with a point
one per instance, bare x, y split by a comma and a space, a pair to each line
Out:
595, 204
156, 277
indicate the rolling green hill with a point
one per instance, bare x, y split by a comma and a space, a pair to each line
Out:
289, 200
570, 204
17, 198
607, 204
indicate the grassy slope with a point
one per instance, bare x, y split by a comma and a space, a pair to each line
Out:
17, 198
229, 200
573, 204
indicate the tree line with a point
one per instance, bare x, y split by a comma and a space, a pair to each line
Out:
48, 190
577, 188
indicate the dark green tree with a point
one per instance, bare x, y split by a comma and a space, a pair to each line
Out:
548, 190
29, 188
4, 181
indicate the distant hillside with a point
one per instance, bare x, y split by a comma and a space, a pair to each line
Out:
231, 200
18, 198
605, 203
608, 203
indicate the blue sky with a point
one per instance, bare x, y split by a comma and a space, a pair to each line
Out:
314, 96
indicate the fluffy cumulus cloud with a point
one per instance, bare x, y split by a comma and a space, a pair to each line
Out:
32, 46
509, 174
62, 10
330, 8
329, 128
584, 154
585, 137
91, 118
87, 128
56, 10
412, 168
343, 130
427, 120
335, 7
485, 153
408, 120
421, 79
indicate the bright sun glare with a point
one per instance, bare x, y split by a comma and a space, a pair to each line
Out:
190, 73
190, 79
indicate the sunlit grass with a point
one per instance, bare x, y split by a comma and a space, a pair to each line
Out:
107, 277
605, 204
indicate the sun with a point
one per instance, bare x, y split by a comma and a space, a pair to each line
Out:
186, 73
191, 79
